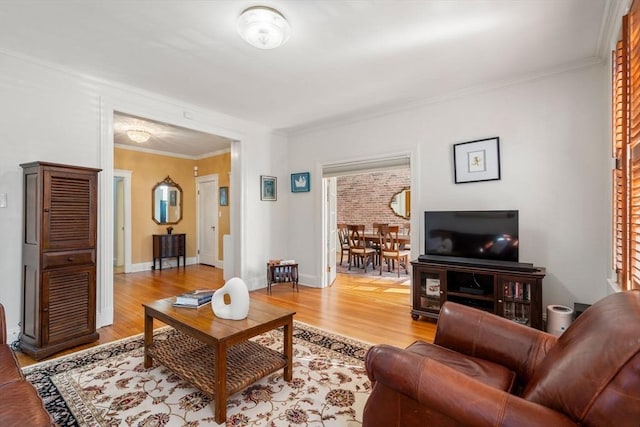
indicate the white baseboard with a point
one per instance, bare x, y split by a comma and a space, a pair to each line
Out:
309, 280
104, 317
166, 263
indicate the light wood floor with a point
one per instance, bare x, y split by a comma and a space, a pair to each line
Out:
369, 309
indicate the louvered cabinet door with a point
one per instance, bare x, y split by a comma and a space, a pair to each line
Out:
68, 310
69, 206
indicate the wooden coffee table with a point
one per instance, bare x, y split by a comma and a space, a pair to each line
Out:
215, 354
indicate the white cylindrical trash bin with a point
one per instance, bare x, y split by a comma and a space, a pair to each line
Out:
558, 319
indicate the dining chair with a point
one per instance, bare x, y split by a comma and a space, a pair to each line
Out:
390, 249
406, 230
343, 239
375, 244
358, 248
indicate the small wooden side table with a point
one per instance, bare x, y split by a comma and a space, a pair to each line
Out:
282, 273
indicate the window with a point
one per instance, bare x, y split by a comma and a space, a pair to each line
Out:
626, 151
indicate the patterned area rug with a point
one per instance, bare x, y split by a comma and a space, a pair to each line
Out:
109, 386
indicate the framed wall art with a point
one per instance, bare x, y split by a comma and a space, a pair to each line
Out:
268, 188
300, 182
478, 160
224, 196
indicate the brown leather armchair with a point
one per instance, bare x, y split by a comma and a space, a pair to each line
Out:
20, 404
483, 370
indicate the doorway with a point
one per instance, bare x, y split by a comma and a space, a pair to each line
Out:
181, 154
369, 187
121, 221
163, 114
118, 225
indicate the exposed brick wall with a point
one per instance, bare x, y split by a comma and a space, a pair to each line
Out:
364, 198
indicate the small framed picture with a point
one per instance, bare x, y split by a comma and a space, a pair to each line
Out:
300, 182
224, 196
268, 188
478, 160
173, 195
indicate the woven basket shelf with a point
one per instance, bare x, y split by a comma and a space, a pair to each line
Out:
195, 362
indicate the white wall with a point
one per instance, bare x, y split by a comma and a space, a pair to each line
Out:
553, 145
264, 222
54, 115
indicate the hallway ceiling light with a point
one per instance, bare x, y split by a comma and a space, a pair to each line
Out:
138, 135
263, 27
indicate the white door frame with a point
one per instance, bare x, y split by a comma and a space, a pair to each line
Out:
126, 177
163, 111
329, 225
360, 165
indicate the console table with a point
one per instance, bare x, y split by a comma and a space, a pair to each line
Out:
169, 246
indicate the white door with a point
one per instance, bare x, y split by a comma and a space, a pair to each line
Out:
207, 190
331, 227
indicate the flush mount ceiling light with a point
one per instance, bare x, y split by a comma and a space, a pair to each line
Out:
138, 135
263, 27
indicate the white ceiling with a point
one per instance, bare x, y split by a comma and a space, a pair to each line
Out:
344, 59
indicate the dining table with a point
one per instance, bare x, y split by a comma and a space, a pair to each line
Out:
403, 239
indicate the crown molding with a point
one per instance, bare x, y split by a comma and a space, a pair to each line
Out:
170, 154
614, 10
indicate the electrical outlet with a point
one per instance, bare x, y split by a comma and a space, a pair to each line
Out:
3, 200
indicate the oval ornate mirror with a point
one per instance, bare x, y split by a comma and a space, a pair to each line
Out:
400, 203
166, 202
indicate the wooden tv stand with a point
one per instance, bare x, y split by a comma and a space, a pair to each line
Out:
515, 295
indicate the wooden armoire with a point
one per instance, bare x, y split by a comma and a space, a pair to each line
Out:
59, 257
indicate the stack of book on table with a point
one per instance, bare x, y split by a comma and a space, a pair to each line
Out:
194, 299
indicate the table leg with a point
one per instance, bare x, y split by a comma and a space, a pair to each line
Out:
148, 338
288, 349
221, 383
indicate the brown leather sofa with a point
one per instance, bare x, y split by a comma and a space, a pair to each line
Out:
20, 404
483, 370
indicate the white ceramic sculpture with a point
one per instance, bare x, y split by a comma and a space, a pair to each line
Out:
238, 308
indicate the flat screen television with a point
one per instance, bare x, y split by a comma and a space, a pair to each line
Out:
479, 235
